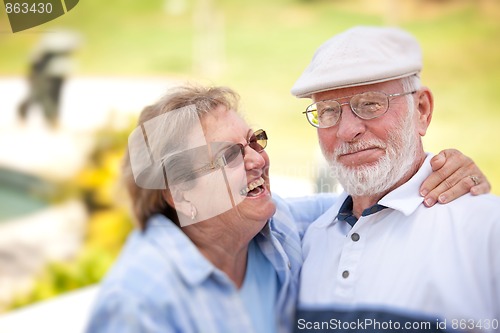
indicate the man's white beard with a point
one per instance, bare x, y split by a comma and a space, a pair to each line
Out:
401, 152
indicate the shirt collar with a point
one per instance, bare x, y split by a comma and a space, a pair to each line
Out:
330, 215
406, 198
345, 213
177, 247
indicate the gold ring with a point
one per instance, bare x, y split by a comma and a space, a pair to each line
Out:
475, 179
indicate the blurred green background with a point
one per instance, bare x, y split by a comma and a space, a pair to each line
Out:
260, 47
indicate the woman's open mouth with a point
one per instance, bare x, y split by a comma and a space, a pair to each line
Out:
254, 188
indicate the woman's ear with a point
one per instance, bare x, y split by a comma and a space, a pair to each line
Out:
167, 196
176, 199
425, 107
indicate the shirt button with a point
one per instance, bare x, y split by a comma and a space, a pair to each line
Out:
289, 265
355, 237
345, 274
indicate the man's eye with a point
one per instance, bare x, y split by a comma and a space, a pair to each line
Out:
370, 106
327, 112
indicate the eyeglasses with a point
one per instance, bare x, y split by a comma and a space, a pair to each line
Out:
229, 156
368, 105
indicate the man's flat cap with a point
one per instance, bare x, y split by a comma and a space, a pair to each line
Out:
360, 56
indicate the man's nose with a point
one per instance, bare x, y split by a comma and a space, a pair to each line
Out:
350, 126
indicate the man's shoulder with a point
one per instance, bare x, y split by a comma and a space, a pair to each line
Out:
469, 214
484, 205
489, 201
318, 229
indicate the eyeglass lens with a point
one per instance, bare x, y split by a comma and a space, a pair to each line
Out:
258, 141
366, 106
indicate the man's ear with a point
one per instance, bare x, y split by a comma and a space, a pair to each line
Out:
425, 107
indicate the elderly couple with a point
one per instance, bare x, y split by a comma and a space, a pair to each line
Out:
216, 253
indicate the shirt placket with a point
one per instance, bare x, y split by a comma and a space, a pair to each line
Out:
350, 257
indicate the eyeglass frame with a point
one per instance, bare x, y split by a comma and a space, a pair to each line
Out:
389, 97
221, 161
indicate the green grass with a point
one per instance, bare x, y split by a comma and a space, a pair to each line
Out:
267, 44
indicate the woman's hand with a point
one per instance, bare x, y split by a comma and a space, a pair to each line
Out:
454, 175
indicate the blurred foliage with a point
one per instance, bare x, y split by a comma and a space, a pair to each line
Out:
108, 230
59, 277
99, 180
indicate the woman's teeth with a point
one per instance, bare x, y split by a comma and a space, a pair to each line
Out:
253, 185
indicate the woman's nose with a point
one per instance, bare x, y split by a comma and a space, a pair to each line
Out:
253, 159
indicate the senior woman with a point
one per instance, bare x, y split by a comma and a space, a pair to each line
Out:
215, 252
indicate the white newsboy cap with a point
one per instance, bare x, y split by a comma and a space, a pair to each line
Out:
360, 56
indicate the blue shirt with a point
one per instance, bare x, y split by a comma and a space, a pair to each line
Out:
260, 282
162, 283
404, 263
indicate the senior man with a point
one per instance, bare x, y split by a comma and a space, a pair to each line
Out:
378, 260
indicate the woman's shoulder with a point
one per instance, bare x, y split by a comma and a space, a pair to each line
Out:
145, 260
139, 264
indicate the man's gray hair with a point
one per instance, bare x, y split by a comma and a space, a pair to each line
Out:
410, 83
